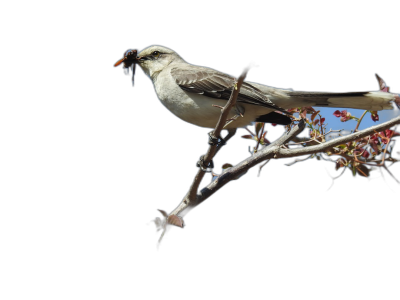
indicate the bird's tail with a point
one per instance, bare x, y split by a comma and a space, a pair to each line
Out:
360, 100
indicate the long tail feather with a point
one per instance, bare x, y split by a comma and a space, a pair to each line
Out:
358, 100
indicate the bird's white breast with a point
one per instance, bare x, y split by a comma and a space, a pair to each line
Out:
194, 108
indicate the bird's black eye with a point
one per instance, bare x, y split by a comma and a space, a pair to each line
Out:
156, 53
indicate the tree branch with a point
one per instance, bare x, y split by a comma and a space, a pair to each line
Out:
338, 141
240, 169
212, 150
274, 150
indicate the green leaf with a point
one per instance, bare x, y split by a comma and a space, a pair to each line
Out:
353, 169
265, 141
259, 125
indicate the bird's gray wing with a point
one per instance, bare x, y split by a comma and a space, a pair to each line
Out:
214, 84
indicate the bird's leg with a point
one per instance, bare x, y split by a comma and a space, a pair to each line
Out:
219, 142
212, 139
200, 164
231, 133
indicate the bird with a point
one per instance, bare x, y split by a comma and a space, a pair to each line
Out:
194, 93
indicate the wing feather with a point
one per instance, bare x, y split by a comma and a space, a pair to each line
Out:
218, 85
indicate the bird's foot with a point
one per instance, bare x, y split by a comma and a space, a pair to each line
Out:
212, 139
201, 164
219, 141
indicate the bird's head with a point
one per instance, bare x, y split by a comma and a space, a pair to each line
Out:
155, 58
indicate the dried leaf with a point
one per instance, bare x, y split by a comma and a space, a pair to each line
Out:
362, 170
382, 84
339, 163
247, 136
309, 109
163, 213
314, 115
175, 220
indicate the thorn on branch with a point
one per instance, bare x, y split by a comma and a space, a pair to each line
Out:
298, 160
262, 166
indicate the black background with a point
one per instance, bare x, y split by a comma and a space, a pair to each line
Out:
140, 157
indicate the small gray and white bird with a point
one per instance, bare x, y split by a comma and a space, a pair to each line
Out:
190, 91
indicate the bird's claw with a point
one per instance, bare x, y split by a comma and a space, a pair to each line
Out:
212, 139
200, 164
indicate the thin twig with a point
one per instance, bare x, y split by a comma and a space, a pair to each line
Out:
275, 151
359, 120
240, 169
338, 141
390, 173
314, 140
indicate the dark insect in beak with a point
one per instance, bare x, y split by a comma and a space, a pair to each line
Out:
130, 60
